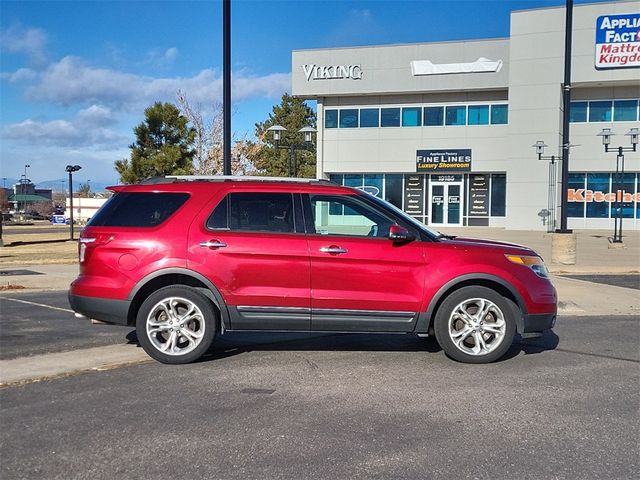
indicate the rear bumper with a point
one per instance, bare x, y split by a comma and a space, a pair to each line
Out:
539, 322
105, 309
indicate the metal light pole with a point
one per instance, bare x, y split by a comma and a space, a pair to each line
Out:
292, 147
70, 169
606, 135
552, 195
566, 105
24, 190
226, 86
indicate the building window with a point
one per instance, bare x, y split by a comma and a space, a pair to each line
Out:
600, 111
331, 119
598, 182
625, 110
390, 117
433, 116
412, 117
499, 114
369, 117
498, 194
393, 192
478, 115
575, 184
349, 118
456, 115
578, 112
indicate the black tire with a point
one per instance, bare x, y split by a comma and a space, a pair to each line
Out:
172, 334
471, 333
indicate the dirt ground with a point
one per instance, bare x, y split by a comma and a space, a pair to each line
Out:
37, 244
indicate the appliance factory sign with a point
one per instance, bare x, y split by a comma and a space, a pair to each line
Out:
330, 72
437, 161
618, 41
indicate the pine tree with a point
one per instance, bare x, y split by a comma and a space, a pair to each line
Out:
293, 114
163, 146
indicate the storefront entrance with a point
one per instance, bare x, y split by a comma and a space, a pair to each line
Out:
445, 206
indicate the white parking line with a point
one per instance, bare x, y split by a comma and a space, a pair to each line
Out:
38, 304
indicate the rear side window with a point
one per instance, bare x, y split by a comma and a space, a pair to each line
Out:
138, 209
254, 212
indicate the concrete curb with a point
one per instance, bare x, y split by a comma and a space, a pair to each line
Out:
24, 370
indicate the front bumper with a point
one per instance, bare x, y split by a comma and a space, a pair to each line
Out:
534, 323
104, 309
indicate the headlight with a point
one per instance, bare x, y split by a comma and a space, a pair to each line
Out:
534, 263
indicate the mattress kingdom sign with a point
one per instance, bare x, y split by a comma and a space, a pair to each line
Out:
439, 161
618, 41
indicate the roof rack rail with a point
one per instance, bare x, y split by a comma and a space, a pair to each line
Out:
247, 178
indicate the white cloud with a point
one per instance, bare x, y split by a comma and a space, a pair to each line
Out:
71, 81
97, 115
63, 133
171, 54
30, 41
21, 75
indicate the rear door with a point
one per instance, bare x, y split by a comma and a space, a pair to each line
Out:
252, 246
360, 280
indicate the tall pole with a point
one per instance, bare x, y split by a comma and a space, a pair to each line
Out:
226, 85
566, 104
71, 204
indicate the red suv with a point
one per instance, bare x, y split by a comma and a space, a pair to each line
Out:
187, 258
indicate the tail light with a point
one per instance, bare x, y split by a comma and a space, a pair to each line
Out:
93, 241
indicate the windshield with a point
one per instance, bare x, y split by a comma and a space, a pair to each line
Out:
407, 218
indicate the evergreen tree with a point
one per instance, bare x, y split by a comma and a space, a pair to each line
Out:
163, 146
293, 114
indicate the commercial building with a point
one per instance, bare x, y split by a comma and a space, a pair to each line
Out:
445, 130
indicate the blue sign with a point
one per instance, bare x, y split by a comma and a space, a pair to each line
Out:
58, 220
618, 41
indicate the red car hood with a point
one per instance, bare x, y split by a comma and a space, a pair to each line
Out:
507, 247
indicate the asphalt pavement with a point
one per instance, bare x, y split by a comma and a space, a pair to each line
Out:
342, 406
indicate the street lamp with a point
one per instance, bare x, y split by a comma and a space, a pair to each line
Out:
552, 195
24, 190
292, 147
70, 169
606, 135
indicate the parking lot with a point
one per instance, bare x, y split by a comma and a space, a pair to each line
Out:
324, 406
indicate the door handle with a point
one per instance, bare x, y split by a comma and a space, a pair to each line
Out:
213, 244
333, 249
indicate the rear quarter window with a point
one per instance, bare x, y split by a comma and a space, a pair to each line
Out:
138, 209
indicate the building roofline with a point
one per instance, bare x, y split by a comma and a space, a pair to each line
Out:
475, 40
578, 5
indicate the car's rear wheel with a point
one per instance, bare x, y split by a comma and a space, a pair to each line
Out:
176, 324
475, 325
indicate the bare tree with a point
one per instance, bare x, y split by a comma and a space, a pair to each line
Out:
208, 159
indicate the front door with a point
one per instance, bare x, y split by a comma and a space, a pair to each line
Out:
445, 204
360, 280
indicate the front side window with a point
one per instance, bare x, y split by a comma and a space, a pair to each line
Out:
362, 220
254, 212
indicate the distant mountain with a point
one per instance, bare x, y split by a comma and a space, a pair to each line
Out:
63, 185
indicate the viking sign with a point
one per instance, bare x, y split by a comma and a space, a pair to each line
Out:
329, 72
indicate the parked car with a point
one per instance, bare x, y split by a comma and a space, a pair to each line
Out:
185, 259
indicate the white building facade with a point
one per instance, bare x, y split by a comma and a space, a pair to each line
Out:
445, 130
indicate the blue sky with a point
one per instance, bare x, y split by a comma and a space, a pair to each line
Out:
76, 76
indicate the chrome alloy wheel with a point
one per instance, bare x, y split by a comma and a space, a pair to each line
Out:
477, 326
175, 326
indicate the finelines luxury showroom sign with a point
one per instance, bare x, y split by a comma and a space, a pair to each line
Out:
438, 161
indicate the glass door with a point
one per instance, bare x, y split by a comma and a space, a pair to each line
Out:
445, 204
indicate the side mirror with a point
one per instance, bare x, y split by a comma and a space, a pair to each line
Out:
400, 234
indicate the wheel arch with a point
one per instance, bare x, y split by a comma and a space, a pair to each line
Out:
501, 286
176, 276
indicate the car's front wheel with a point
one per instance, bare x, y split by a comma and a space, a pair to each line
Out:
475, 325
176, 324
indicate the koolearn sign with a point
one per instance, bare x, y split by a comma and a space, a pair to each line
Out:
618, 41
